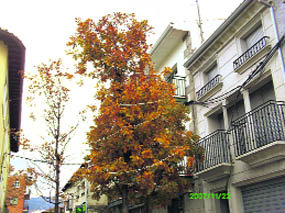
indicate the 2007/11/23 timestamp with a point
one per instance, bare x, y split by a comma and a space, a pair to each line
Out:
218, 196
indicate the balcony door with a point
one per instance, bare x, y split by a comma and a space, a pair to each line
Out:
253, 37
265, 120
239, 126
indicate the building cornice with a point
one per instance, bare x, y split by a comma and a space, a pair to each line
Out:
16, 63
218, 32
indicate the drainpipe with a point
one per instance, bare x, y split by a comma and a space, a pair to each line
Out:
270, 6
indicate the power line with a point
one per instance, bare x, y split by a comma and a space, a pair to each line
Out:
152, 102
42, 161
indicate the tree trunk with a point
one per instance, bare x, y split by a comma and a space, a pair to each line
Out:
146, 205
57, 159
56, 179
125, 205
56, 186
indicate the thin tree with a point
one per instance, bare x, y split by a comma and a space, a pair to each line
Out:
48, 90
138, 139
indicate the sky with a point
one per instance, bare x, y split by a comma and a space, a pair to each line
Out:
45, 27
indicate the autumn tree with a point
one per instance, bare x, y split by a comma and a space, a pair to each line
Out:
138, 139
47, 90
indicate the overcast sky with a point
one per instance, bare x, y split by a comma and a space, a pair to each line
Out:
45, 26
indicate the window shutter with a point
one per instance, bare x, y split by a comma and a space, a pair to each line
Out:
212, 73
254, 37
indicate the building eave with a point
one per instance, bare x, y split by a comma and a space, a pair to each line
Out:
161, 38
166, 43
16, 63
218, 32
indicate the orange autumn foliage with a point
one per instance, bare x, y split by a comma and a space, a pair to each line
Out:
138, 139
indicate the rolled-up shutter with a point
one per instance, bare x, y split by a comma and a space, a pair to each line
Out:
267, 196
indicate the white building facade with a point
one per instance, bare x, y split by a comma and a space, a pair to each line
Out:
237, 94
77, 193
234, 84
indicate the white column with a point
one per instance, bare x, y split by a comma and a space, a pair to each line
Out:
227, 126
247, 107
246, 100
225, 115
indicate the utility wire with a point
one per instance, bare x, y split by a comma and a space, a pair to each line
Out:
152, 102
42, 161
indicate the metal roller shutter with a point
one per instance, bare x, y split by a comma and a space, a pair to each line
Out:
267, 196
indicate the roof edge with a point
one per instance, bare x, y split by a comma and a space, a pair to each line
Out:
168, 29
16, 49
220, 29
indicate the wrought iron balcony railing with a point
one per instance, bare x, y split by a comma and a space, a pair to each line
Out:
216, 150
179, 83
252, 51
208, 87
259, 127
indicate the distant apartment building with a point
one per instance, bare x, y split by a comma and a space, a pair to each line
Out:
237, 95
77, 192
12, 58
234, 84
17, 194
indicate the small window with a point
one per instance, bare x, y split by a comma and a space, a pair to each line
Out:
174, 73
16, 184
222, 205
215, 121
14, 201
253, 37
212, 73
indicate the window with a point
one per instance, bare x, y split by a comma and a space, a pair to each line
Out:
212, 81
251, 43
174, 73
16, 184
263, 93
222, 205
236, 110
178, 81
253, 37
14, 201
212, 73
215, 121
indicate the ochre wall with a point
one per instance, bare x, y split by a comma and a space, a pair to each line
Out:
4, 124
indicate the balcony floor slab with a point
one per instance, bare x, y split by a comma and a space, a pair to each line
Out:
263, 155
214, 173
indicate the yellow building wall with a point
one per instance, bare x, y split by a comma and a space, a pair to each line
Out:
4, 124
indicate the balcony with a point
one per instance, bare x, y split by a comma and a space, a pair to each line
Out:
251, 52
216, 164
210, 88
180, 93
258, 136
